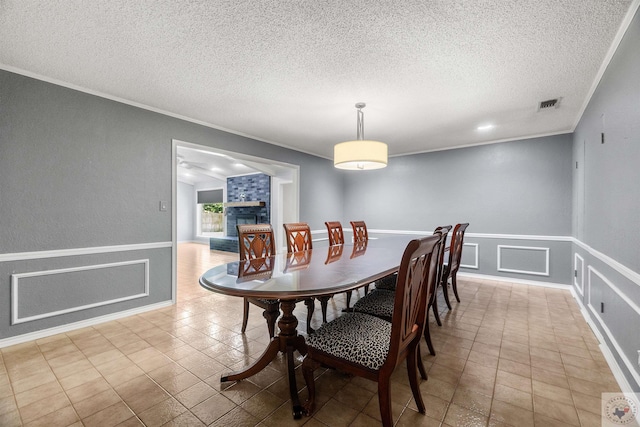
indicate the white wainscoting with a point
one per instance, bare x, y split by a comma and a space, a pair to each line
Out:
15, 289
596, 315
526, 248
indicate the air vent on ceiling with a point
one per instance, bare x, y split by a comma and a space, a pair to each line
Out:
549, 104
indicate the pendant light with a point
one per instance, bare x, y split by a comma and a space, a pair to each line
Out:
360, 154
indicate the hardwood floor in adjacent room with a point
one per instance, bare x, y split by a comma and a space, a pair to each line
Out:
508, 354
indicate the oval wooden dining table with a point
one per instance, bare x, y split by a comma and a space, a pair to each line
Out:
291, 278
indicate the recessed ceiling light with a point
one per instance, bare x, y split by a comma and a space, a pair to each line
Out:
485, 127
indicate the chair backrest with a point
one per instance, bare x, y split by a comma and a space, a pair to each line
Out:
416, 275
455, 249
360, 233
444, 230
298, 235
255, 241
336, 236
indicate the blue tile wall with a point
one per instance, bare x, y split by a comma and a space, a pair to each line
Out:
256, 187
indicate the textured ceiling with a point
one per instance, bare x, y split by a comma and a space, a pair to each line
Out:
290, 72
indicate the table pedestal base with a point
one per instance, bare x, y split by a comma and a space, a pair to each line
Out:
287, 341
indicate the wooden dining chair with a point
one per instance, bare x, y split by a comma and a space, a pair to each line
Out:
433, 304
298, 236
256, 241
334, 230
360, 233
360, 238
451, 270
370, 347
380, 302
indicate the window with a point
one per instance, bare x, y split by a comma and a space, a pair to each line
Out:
210, 212
211, 217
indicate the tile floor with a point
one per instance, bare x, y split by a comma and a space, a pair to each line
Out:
508, 354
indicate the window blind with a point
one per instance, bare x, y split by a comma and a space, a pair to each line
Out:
210, 196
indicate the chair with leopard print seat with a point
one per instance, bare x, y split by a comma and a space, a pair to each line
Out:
379, 302
370, 347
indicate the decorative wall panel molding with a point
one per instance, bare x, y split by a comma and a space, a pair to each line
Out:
533, 250
475, 264
16, 282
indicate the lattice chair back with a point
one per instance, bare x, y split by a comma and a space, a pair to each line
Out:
255, 241
455, 249
334, 229
360, 233
298, 237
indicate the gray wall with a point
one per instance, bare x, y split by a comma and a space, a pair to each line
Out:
606, 202
80, 172
502, 190
186, 205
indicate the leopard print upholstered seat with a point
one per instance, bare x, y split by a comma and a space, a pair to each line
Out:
387, 283
269, 301
355, 337
377, 303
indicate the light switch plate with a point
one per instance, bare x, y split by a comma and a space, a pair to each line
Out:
163, 206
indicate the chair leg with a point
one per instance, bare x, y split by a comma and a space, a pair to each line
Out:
324, 301
454, 285
413, 376
384, 400
308, 366
436, 315
423, 372
427, 337
445, 291
245, 315
271, 314
310, 308
348, 301
366, 289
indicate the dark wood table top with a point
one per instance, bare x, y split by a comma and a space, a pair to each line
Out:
320, 271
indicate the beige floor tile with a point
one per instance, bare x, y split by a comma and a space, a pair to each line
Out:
513, 397
110, 416
212, 408
63, 417
461, 416
511, 414
96, 403
556, 410
161, 413
44, 407
472, 400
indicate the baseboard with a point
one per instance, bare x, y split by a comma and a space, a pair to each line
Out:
514, 280
31, 336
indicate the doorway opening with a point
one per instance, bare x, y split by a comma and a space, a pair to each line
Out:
203, 180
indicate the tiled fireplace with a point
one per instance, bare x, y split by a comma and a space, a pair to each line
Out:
248, 188
248, 202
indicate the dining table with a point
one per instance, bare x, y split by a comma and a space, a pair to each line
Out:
294, 277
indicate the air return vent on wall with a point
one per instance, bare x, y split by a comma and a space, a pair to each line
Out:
549, 104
